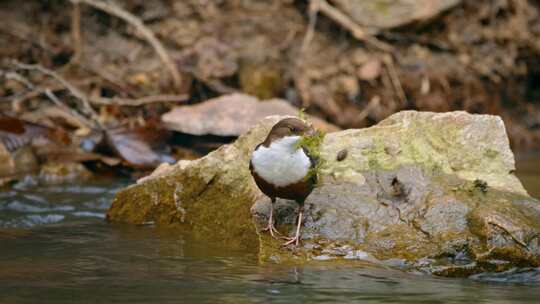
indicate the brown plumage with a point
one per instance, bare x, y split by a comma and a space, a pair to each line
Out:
297, 191
287, 127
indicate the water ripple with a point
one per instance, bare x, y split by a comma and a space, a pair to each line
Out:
30, 205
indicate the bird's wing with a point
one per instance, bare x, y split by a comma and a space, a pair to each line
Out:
314, 160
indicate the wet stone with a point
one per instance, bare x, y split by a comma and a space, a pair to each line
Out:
417, 188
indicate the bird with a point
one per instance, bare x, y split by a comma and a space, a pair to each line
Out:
282, 169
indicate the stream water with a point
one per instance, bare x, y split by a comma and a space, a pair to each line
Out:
55, 247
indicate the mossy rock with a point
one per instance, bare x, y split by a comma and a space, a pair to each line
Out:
210, 197
436, 191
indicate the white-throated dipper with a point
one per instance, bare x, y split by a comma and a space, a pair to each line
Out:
282, 169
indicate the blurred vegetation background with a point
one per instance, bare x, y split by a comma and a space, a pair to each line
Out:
122, 86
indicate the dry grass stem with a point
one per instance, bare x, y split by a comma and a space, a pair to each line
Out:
133, 20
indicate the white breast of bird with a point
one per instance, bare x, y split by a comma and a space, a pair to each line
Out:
282, 163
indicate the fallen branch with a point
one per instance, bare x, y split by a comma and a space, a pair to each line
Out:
394, 79
76, 33
69, 111
82, 96
345, 21
109, 79
373, 103
218, 86
15, 105
33, 93
117, 11
214, 84
139, 101
312, 11
70, 87
17, 77
36, 91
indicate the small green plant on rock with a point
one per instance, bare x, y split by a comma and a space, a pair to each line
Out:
312, 143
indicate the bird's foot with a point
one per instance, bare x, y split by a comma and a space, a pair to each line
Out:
272, 229
296, 238
291, 240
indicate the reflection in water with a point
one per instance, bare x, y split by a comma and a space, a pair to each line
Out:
55, 247
98, 261
528, 171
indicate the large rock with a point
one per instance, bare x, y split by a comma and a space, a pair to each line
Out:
421, 190
210, 196
231, 115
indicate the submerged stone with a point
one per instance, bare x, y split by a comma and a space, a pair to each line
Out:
434, 191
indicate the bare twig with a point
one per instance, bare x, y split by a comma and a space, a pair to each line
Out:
215, 84
74, 114
20, 98
70, 87
394, 79
36, 91
373, 103
139, 101
106, 79
16, 105
74, 90
218, 86
17, 77
117, 11
33, 93
288, 39
76, 33
356, 30
313, 11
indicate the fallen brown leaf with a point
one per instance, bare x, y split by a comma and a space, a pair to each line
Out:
139, 147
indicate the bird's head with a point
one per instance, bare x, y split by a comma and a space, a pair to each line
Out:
289, 127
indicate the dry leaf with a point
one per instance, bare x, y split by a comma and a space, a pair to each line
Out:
139, 147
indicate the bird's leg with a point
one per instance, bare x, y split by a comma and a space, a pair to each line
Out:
296, 237
270, 227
